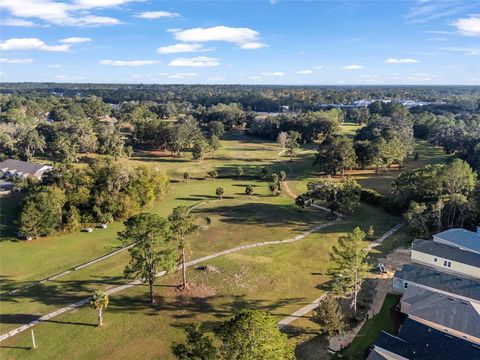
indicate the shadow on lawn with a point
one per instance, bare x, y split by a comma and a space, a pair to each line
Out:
269, 215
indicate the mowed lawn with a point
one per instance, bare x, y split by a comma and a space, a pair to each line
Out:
25, 261
278, 278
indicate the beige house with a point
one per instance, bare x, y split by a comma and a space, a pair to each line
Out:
446, 258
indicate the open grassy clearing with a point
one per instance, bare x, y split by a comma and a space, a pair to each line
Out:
269, 278
224, 224
23, 262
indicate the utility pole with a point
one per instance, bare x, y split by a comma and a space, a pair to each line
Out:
33, 340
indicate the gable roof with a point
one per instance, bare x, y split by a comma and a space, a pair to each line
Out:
466, 239
452, 284
22, 167
443, 310
418, 341
447, 251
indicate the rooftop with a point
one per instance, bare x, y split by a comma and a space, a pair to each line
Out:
441, 309
444, 282
418, 341
22, 167
466, 239
447, 251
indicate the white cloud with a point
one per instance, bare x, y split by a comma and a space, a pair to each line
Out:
401, 61
466, 51
157, 14
182, 75
319, 67
304, 72
199, 61
275, 73
61, 13
253, 45
54, 66
182, 48
31, 44
17, 22
255, 77
16, 61
75, 40
352, 67
218, 33
468, 26
128, 62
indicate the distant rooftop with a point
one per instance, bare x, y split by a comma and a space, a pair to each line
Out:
418, 341
465, 239
443, 310
23, 168
444, 282
445, 251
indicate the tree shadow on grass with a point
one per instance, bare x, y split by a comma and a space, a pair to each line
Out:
70, 323
16, 347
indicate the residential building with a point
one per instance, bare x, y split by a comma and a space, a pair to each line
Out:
461, 238
22, 169
417, 341
446, 258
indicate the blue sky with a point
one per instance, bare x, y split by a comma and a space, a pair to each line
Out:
241, 42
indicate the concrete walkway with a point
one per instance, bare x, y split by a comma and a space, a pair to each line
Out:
162, 273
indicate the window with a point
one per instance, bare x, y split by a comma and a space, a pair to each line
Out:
444, 262
447, 263
405, 285
435, 259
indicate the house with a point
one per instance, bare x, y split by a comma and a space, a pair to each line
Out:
426, 278
444, 313
461, 238
418, 341
446, 258
22, 169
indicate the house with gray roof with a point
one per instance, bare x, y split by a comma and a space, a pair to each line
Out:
427, 278
445, 313
446, 258
22, 169
417, 341
461, 238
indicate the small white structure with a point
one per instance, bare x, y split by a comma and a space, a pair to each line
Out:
22, 169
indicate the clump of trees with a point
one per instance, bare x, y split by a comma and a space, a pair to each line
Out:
328, 315
311, 126
439, 197
248, 335
338, 196
102, 192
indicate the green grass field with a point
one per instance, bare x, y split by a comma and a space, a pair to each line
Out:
270, 278
279, 278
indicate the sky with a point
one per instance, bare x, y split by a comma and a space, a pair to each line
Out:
424, 42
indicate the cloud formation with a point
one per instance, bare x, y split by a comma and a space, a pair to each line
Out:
76, 13
17, 22
352, 67
31, 44
275, 73
16, 61
253, 45
199, 61
468, 26
239, 36
182, 48
157, 14
133, 63
401, 61
75, 40
304, 72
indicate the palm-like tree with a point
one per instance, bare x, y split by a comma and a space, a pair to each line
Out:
99, 302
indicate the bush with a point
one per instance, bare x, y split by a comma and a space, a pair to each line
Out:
372, 197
